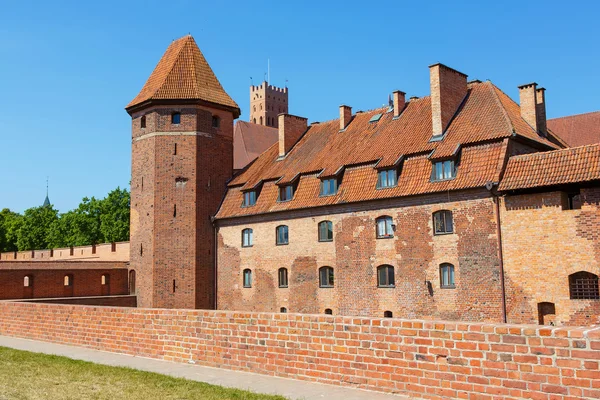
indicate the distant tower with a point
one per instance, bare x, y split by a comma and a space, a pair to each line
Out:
266, 103
47, 199
182, 158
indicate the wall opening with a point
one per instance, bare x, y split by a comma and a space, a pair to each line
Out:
546, 313
132, 282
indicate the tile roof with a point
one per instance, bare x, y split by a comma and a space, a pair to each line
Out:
577, 130
183, 74
250, 140
576, 164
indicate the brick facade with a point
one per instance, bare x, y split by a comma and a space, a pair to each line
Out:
423, 359
266, 103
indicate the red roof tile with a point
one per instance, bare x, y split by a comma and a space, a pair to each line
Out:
183, 74
572, 165
250, 140
577, 130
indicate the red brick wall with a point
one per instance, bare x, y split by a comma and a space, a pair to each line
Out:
112, 301
435, 360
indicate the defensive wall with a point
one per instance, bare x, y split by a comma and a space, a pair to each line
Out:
101, 252
426, 359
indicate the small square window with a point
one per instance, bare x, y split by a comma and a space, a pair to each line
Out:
443, 170
385, 227
176, 118
286, 193
249, 199
387, 178
329, 187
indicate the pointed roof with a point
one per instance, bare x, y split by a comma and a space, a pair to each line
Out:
46, 202
184, 74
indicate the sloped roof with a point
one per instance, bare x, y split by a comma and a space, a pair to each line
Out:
577, 130
572, 165
183, 74
250, 140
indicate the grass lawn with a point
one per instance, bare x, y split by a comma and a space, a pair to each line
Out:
34, 376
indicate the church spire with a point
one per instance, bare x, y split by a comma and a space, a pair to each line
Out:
47, 200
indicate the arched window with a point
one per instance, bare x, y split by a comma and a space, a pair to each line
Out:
325, 231
247, 278
442, 222
283, 277
254, 109
584, 286
326, 277
328, 311
132, 282
385, 276
447, 276
68, 280
176, 118
105, 280
388, 314
143, 121
28, 281
282, 236
216, 122
254, 120
385, 227
260, 119
247, 237
283, 310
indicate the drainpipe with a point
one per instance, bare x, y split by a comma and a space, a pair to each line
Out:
215, 246
500, 255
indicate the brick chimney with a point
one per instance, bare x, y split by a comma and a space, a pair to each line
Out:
291, 128
345, 116
399, 102
448, 90
533, 106
540, 107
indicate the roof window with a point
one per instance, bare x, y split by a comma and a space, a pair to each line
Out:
375, 118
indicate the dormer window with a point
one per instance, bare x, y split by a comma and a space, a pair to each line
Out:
176, 118
216, 122
443, 170
286, 193
249, 198
387, 178
143, 122
329, 187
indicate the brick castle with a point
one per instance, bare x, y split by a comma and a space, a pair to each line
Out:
461, 205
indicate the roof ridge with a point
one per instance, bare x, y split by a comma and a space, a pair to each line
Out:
574, 115
499, 102
546, 153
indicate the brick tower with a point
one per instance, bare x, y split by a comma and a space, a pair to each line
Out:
182, 157
266, 103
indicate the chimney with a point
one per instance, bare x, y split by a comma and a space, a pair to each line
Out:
540, 108
345, 116
399, 102
529, 104
291, 128
448, 90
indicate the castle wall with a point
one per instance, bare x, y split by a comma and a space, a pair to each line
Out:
355, 253
100, 252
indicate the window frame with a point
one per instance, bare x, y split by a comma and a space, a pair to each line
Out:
444, 214
216, 122
282, 273
387, 172
388, 314
28, 281
577, 289
330, 182
284, 190
451, 275
329, 228
176, 116
287, 235
250, 235
442, 167
386, 234
247, 283
68, 280
387, 284
143, 122
329, 277
249, 198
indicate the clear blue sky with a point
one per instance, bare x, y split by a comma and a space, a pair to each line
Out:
67, 69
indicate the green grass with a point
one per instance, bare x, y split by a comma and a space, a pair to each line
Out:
34, 376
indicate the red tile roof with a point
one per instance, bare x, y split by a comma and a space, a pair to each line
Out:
183, 74
576, 164
577, 130
250, 140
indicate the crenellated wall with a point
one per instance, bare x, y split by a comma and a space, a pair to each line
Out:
101, 252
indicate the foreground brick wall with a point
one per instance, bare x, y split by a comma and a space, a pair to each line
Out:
436, 360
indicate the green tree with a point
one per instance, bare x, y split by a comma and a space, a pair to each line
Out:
32, 233
10, 223
114, 216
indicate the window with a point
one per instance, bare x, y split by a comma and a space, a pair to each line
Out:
283, 277
387, 178
105, 280
385, 276
247, 238
388, 314
281, 234
249, 199
286, 193
143, 121
261, 118
176, 118
216, 122
28, 281
385, 228
442, 222
247, 278
283, 310
329, 187
328, 311
68, 280
325, 231
375, 118
447, 276
443, 170
574, 200
583, 285
326, 277
132, 282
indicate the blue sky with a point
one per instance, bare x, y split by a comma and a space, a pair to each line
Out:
67, 69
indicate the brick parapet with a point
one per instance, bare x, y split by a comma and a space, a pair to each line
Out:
428, 359
101, 252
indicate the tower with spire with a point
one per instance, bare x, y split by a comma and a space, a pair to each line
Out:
182, 158
47, 199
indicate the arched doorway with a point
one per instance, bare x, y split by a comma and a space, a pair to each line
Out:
546, 313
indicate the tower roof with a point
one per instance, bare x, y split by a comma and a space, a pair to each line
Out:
46, 202
184, 74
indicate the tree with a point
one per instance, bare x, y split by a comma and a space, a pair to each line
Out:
78, 227
10, 222
33, 231
114, 216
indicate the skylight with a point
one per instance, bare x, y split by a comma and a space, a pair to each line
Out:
375, 118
